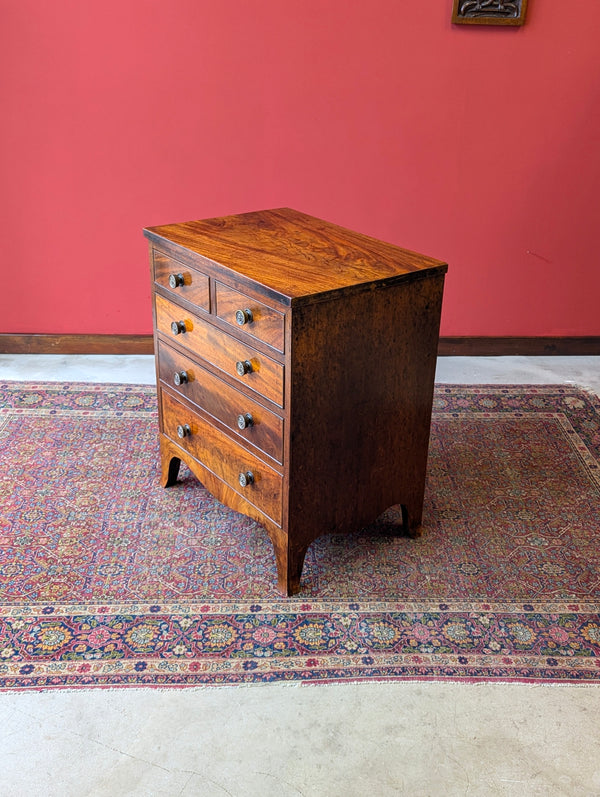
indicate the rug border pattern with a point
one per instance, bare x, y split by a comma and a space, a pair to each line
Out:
462, 660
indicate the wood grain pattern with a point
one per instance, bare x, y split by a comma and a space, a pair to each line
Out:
357, 321
195, 287
172, 455
463, 346
297, 256
224, 458
514, 346
75, 344
267, 324
365, 431
223, 402
222, 350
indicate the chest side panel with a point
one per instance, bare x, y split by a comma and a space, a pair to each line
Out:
363, 372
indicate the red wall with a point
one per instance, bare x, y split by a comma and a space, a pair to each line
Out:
480, 146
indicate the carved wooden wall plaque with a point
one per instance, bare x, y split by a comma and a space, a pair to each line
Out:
489, 12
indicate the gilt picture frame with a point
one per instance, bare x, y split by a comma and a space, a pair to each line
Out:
489, 12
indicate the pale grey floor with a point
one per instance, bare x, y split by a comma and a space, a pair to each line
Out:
139, 369
418, 739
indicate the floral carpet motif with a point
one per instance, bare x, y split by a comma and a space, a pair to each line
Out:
107, 579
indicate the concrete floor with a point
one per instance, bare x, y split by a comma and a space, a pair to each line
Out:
139, 369
418, 739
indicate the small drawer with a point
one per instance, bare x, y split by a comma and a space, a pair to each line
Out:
251, 316
251, 368
181, 280
245, 418
254, 481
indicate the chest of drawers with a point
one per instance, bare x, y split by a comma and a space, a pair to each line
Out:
295, 367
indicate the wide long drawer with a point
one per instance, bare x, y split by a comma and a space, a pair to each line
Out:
251, 368
251, 478
245, 418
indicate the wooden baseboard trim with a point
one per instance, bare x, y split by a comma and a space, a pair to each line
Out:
448, 347
76, 344
526, 347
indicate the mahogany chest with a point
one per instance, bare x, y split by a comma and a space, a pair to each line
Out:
295, 367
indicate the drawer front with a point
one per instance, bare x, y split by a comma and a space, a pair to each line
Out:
249, 315
226, 459
246, 419
181, 280
251, 368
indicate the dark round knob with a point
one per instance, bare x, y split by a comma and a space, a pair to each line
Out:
245, 420
183, 430
175, 280
178, 327
243, 367
246, 478
180, 377
244, 317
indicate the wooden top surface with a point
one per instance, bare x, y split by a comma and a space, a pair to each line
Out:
293, 255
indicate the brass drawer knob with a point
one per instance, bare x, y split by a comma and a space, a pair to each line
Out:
183, 430
245, 420
178, 327
243, 367
180, 378
246, 478
244, 317
175, 280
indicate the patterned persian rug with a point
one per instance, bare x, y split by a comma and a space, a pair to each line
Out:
106, 579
